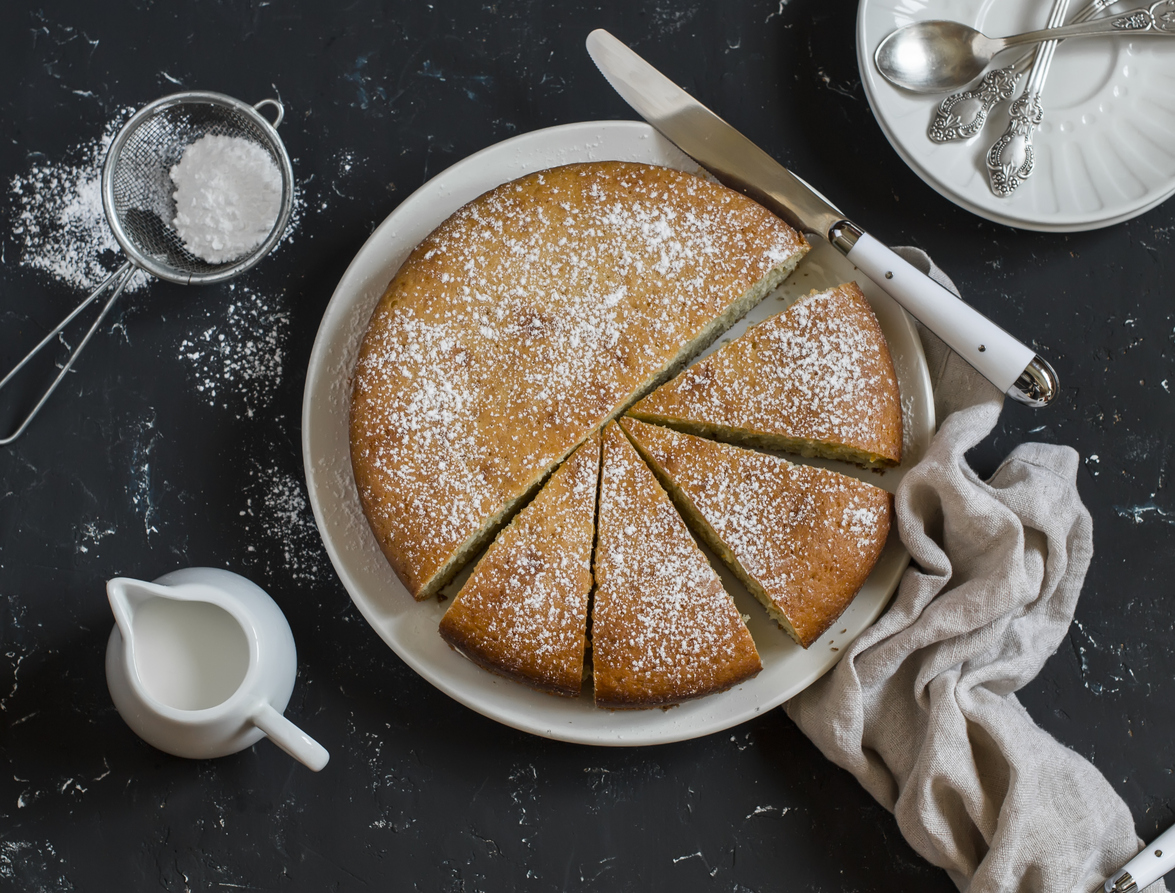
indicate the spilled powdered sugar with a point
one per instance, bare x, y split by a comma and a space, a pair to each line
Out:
236, 361
235, 350
58, 221
279, 526
60, 226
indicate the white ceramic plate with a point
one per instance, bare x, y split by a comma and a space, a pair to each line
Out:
1105, 151
410, 628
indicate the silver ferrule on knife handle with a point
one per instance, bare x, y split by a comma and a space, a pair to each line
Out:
1122, 882
1001, 359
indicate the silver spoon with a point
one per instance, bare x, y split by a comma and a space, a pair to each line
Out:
939, 56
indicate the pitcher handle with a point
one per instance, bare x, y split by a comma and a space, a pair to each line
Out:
290, 738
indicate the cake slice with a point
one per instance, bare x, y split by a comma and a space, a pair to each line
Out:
801, 539
817, 380
526, 320
663, 628
523, 611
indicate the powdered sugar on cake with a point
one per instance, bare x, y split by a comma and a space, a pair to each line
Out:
819, 372
523, 612
832, 364
807, 536
662, 620
524, 322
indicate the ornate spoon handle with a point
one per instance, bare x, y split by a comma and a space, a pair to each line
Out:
962, 115
1011, 159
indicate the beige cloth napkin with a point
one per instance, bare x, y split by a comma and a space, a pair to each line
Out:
922, 708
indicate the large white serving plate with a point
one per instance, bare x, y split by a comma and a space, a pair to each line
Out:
410, 628
1105, 151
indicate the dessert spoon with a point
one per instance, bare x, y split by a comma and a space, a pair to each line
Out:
937, 56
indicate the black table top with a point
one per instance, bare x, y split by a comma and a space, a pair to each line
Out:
175, 443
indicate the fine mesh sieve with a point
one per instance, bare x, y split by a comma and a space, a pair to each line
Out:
137, 188
137, 198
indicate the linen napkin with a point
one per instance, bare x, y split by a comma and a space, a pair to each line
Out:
922, 708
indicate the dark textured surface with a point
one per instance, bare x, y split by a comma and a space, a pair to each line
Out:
135, 468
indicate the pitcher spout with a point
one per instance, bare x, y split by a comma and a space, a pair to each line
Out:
127, 596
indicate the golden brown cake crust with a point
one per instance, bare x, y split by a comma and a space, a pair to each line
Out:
523, 611
816, 379
521, 324
802, 539
663, 628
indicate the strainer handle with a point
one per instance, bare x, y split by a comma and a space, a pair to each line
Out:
276, 103
116, 281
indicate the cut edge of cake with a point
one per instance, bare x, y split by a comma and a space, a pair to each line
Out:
717, 544
455, 625
774, 440
739, 670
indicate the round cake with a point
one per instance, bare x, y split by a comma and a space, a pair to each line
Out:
528, 319
527, 322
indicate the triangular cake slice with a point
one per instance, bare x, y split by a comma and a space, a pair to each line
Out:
817, 380
663, 628
523, 611
801, 539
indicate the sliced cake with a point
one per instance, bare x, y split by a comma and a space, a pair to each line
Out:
663, 628
525, 321
816, 380
523, 611
801, 539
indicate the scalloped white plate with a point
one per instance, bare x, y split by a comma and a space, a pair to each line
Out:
1105, 151
410, 628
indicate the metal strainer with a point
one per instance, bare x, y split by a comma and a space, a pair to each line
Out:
137, 198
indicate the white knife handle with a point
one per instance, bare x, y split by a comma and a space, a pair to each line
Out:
1011, 366
1147, 867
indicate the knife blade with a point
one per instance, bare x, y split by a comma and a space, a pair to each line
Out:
1011, 366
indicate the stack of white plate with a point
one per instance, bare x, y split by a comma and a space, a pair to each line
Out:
1105, 151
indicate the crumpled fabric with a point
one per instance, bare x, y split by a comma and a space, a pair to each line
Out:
922, 708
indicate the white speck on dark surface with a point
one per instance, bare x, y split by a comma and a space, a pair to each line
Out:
768, 810
90, 533
524, 785
1147, 511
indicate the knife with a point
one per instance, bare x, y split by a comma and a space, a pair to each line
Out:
1011, 366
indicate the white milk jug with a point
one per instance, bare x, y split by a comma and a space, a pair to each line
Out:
201, 663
